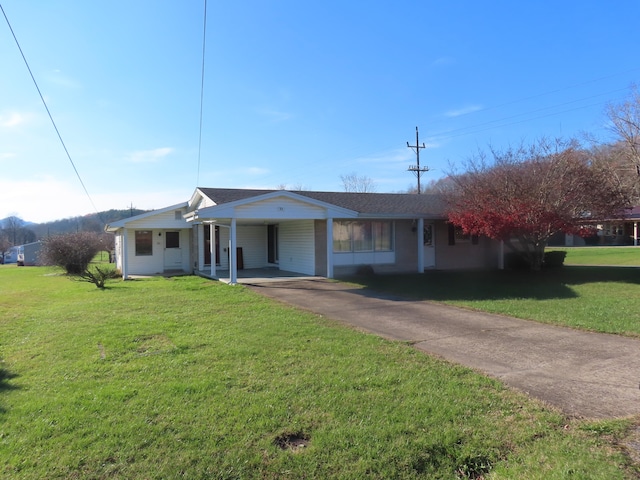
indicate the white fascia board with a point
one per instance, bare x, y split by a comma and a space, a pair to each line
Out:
112, 227
227, 210
400, 216
196, 197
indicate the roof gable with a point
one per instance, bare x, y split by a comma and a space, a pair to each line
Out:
146, 218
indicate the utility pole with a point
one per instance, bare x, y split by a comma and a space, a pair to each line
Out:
416, 168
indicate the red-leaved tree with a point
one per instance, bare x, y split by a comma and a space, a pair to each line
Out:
527, 194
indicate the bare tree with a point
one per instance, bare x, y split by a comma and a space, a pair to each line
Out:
625, 123
357, 184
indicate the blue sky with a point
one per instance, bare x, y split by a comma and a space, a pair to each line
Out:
296, 93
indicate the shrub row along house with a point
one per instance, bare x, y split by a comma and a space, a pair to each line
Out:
221, 231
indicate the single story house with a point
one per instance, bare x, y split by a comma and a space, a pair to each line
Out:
219, 231
613, 232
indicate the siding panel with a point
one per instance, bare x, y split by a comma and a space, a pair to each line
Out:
297, 246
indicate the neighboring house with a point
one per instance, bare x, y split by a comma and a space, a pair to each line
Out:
220, 231
28, 254
616, 231
11, 255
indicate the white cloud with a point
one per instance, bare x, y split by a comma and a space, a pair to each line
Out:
48, 198
13, 119
149, 156
42, 199
63, 80
6, 155
463, 111
257, 171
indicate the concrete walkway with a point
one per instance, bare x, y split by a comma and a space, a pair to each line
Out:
586, 375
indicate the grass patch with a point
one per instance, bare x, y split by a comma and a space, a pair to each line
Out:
618, 256
184, 377
601, 299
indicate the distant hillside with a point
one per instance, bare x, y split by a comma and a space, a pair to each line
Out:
93, 222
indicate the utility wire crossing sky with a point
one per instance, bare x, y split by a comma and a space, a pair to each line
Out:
294, 94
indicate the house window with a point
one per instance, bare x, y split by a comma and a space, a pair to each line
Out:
172, 239
144, 242
456, 235
362, 236
177, 215
341, 237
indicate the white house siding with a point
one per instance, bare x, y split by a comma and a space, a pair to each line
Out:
280, 208
154, 263
297, 246
252, 240
118, 249
224, 248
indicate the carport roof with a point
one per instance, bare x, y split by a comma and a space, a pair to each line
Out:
363, 203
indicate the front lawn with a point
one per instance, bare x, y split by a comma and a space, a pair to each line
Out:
189, 378
602, 299
618, 256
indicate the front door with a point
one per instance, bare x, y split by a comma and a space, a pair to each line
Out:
429, 246
172, 251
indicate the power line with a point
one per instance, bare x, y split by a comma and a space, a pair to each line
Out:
461, 131
48, 112
204, 44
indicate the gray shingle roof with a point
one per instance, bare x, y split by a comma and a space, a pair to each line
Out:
427, 205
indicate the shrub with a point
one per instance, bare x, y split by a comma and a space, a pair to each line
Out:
71, 251
516, 261
98, 276
554, 259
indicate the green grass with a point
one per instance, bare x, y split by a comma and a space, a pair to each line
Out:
602, 299
619, 256
188, 378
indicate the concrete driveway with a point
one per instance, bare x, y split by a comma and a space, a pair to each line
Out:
586, 375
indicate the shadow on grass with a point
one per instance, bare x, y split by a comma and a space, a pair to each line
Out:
5, 377
495, 285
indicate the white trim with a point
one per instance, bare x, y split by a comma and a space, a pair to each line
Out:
233, 256
125, 256
212, 248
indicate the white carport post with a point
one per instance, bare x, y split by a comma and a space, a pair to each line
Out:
420, 235
233, 268
125, 253
212, 248
329, 247
635, 234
